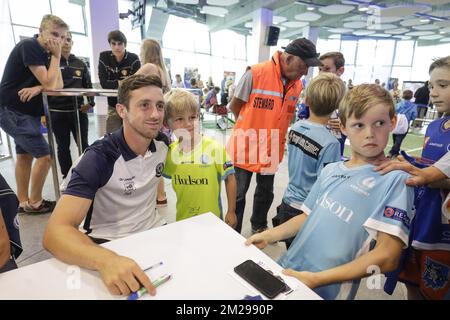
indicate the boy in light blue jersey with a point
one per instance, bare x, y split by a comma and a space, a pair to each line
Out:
356, 221
311, 145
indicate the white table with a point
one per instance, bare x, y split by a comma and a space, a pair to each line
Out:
201, 253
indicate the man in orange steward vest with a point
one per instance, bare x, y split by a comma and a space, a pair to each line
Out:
264, 104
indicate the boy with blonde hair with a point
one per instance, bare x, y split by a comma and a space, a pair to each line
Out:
350, 207
311, 146
196, 164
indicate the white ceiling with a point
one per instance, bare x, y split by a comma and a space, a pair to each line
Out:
424, 20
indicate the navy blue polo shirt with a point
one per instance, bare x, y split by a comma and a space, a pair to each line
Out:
9, 205
121, 185
17, 75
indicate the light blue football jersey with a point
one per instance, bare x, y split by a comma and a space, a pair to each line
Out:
311, 147
346, 208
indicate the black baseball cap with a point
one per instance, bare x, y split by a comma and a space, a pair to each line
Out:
305, 50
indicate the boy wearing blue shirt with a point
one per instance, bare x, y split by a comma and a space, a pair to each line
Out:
409, 110
355, 220
427, 269
311, 146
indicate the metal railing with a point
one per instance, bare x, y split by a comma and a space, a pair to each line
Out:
78, 92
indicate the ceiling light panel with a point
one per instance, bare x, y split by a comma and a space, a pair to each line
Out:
340, 30
426, 27
381, 26
215, 11
397, 30
432, 37
355, 18
278, 19
411, 22
355, 24
221, 2
295, 24
363, 32
419, 33
335, 9
308, 16
386, 19
403, 10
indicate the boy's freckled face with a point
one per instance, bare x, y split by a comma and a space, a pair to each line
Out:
440, 88
369, 135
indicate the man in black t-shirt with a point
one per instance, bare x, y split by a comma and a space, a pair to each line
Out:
75, 74
32, 66
113, 66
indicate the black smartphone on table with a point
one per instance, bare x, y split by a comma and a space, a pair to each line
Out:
260, 278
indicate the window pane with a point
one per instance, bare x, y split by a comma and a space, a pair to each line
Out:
125, 26
404, 53
222, 43
239, 47
80, 46
21, 33
201, 39
327, 45
382, 73
71, 13
402, 74
348, 49
178, 35
366, 52
384, 52
362, 74
349, 71
28, 13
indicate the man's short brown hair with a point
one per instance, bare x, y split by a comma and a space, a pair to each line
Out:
118, 36
135, 82
324, 93
338, 58
362, 97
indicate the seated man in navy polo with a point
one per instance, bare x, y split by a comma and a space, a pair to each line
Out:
112, 190
10, 246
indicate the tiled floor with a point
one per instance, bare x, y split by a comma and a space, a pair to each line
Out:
32, 227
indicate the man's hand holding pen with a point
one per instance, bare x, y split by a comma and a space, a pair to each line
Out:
123, 276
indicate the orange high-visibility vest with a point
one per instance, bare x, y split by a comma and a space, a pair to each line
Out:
259, 135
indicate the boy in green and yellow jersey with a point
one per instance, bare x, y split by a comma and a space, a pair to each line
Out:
196, 164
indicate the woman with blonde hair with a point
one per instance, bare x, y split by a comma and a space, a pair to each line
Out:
153, 64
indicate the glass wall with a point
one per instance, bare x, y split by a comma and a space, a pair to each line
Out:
189, 44
370, 59
25, 23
